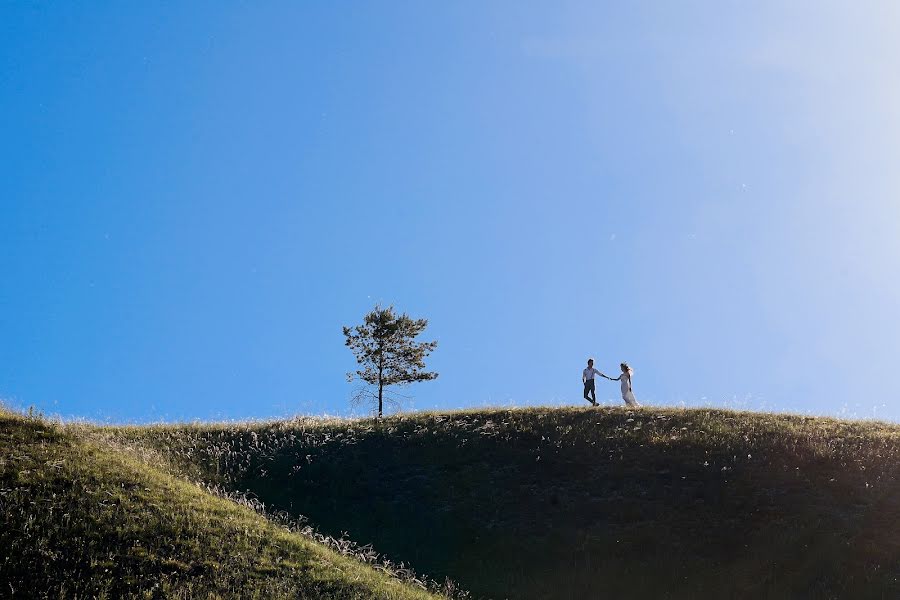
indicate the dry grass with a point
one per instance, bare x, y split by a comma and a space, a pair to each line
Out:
534, 503
80, 518
574, 503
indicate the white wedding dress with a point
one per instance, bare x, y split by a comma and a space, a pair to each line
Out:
627, 394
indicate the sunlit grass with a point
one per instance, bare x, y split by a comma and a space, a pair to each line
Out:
80, 518
529, 503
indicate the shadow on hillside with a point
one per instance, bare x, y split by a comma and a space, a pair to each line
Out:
581, 503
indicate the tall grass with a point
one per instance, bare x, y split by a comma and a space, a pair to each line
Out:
82, 519
533, 503
572, 503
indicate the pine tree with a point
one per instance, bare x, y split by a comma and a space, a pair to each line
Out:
386, 350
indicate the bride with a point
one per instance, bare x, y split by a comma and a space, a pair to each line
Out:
627, 393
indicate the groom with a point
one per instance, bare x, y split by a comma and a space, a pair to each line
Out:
587, 377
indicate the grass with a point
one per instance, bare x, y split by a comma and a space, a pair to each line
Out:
532, 503
83, 518
576, 503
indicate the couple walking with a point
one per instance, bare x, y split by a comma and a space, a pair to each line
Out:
587, 376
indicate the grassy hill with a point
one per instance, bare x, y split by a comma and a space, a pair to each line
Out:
579, 503
83, 518
534, 503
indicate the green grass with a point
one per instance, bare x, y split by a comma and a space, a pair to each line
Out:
581, 503
81, 517
533, 503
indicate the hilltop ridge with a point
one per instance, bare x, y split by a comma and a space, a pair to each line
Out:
520, 503
582, 502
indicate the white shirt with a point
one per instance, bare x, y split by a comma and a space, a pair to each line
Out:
589, 373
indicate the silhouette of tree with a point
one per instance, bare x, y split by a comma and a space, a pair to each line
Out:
386, 350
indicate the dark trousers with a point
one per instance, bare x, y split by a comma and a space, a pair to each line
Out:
589, 388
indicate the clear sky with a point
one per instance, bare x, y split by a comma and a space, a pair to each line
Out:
195, 197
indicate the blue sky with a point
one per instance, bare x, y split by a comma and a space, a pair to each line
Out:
197, 196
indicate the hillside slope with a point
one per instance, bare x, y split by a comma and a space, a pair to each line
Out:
577, 503
82, 519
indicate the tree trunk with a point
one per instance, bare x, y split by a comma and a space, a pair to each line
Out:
380, 392
380, 386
